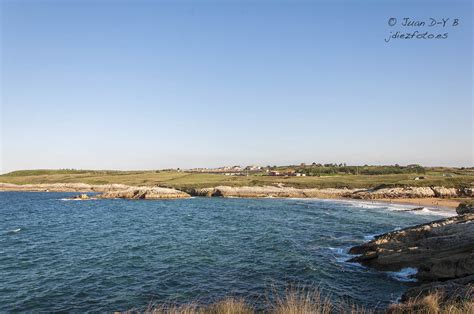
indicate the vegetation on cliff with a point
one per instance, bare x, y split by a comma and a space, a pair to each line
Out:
304, 301
367, 177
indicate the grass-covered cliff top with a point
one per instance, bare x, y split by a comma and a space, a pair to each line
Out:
316, 177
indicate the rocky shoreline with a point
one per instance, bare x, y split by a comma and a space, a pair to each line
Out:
442, 251
107, 191
154, 192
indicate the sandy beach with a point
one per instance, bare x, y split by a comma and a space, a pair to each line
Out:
432, 202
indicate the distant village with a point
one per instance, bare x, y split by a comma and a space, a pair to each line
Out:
245, 171
314, 169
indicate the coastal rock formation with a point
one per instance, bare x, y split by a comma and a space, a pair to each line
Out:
466, 191
145, 193
441, 191
62, 187
395, 192
440, 250
465, 208
81, 197
371, 194
270, 191
108, 190
452, 290
383, 192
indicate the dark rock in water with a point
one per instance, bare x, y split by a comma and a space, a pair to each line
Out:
412, 209
465, 208
81, 197
450, 290
440, 250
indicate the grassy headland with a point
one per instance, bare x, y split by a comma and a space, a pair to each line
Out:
330, 176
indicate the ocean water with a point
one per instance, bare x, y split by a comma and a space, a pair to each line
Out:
107, 255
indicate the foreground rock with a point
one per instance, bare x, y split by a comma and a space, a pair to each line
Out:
145, 193
440, 250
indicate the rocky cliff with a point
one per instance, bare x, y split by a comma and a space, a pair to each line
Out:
62, 187
375, 193
145, 193
413, 192
270, 191
442, 251
107, 190
380, 192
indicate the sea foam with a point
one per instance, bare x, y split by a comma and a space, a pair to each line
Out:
404, 275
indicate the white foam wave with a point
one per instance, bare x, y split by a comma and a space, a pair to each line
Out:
404, 275
445, 212
370, 237
342, 256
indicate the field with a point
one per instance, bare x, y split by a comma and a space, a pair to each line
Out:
448, 177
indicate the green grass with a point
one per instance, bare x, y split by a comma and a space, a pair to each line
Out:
183, 180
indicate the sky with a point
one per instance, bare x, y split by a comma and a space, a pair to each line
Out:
160, 84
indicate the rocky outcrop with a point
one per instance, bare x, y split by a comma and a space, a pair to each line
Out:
108, 190
145, 193
466, 207
383, 192
81, 197
395, 192
440, 250
376, 193
441, 191
63, 187
270, 191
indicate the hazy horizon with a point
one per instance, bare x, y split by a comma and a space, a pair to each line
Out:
137, 85
230, 165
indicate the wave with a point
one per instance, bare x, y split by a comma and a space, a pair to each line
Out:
342, 256
404, 275
445, 212
370, 237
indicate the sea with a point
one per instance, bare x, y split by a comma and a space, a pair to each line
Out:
58, 254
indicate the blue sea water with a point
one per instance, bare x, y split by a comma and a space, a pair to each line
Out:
108, 255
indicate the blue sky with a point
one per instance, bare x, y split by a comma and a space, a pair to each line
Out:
147, 85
